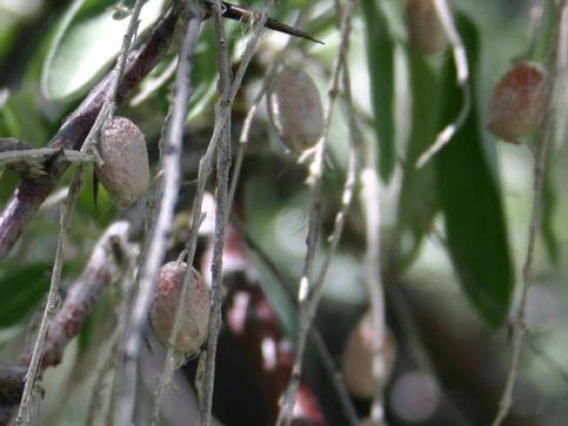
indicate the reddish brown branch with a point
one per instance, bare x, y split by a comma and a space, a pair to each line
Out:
30, 193
107, 264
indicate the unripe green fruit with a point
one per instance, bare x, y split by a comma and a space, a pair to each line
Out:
425, 30
125, 173
195, 308
295, 109
519, 101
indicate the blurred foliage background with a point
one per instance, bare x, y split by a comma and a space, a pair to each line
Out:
450, 320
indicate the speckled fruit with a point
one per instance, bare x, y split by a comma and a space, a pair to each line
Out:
358, 359
425, 30
295, 109
195, 315
519, 101
125, 173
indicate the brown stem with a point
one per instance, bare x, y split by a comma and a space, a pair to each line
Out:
107, 265
30, 193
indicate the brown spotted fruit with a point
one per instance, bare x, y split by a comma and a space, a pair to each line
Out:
519, 101
358, 359
125, 173
425, 30
195, 308
295, 109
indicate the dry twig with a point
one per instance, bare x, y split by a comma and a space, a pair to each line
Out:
30, 193
170, 164
105, 266
309, 293
460, 60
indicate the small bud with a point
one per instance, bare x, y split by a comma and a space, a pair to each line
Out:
195, 308
519, 101
358, 359
125, 173
425, 30
295, 109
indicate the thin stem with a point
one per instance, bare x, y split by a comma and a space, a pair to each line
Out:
417, 349
247, 124
222, 121
67, 209
109, 106
206, 162
223, 207
333, 372
539, 175
519, 325
170, 162
371, 207
66, 217
184, 71
460, 59
30, 193
309, 294
105, 362
155, 84
105, 113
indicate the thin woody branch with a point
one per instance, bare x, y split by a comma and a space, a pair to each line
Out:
107, 265
30, 193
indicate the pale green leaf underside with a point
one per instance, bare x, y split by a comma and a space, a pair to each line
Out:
87, 49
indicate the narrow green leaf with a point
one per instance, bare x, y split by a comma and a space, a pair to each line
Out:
418, 202
21, 290
380, 56
470, 198
84, 48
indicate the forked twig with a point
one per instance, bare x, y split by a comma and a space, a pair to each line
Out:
104, 267
309, 293
245, 131
105, 113
170, 164
327, 359
222, 120
460, 59
30, 193
215, 318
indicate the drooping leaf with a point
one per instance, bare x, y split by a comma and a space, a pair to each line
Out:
418, 202
470, 199
21, 290
380, 56
86, 49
